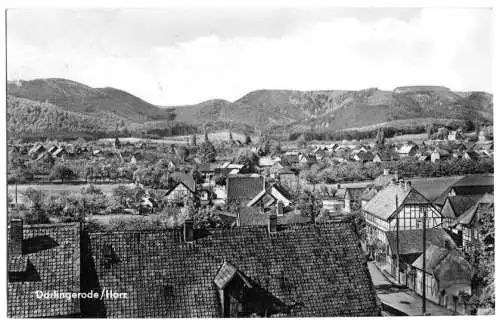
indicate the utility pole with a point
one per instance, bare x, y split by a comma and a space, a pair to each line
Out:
16, 198
397, 241
424, 263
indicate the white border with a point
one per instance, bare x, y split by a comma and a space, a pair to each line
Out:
405, 323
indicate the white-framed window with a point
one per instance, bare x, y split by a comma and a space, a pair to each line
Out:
467, 234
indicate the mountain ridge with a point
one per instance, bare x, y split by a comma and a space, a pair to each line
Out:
268, 108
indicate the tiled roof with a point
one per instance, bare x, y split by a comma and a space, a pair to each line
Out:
435, 188
475, 180
368, 193
314, 270
244, 187
186, 179
433, 256
383, 180
454, 272
410, 241
252, 216
53, 253
461, 203
383, 204
286, 170
468, 216
405, 149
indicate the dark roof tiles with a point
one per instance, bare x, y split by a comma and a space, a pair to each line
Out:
321, 267
54, 252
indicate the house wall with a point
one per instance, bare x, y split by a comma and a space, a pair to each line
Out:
410, 217
179, 193
280, 197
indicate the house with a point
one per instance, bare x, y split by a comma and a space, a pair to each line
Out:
350, 196
468, 222
409, 245
447, 274
59, 152
238, 272
398, 205
435, 189
454, 206
385, 179
455, 135
379, 157
268, 161
208, 173
243, 188
271, 196
259, 216
483, 146
183, 190
44, 259
52, 149
476, 184
307, 159
368, 194
439, 154
36, 150
470, 155
407, 150
362, 156
229, 168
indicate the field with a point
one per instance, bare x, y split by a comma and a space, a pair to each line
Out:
56, 188
217, 136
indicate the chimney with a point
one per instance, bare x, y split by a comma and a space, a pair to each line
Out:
273, 223
386, 172
279, 208
188, 230
15, 237
408, 185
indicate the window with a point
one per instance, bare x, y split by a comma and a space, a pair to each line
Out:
467, 235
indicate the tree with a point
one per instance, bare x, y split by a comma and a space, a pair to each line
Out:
482, 258
207, 152
182, 152
62, 172
310, 205
117, 143
428, 131
380, 139
248, 158
37, 213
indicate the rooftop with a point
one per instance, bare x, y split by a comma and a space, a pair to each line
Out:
52, 253
312, 270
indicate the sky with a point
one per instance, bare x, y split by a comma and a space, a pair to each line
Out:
185, 56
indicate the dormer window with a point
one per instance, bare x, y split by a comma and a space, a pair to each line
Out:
109, 256
239, 296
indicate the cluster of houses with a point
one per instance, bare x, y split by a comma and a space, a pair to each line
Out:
450, 209
273, 258
428, 151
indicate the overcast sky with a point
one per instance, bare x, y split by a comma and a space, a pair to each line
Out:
185, 56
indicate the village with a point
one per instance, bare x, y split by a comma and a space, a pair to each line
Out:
410, 222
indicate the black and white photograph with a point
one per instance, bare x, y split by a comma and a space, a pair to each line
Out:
249, 161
